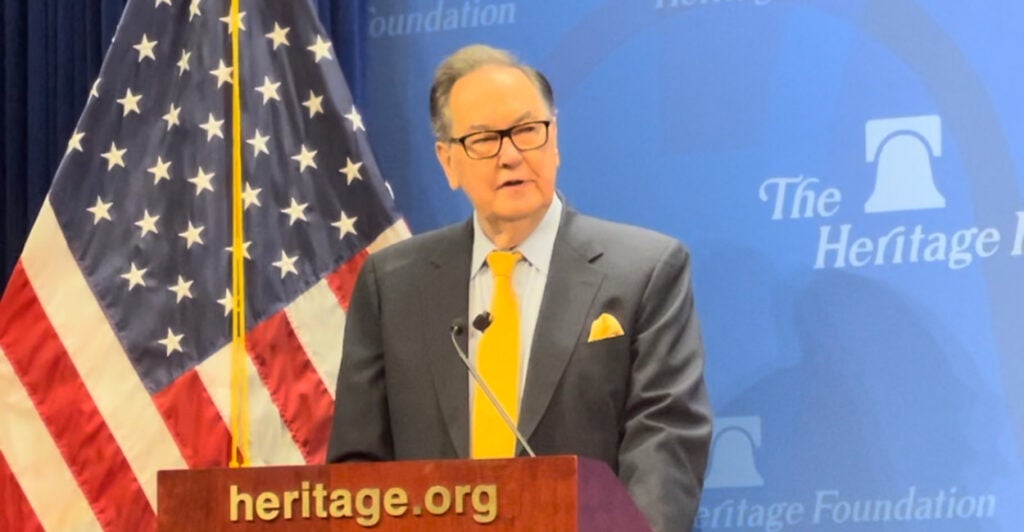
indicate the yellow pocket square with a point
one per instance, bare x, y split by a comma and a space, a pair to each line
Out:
604, 327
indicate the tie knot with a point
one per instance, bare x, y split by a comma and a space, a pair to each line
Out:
502, 262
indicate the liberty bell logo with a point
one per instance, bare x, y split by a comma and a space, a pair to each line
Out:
903, 149
732, 453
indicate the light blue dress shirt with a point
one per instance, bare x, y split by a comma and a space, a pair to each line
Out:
529, 279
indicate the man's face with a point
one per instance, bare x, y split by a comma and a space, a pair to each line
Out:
512, 186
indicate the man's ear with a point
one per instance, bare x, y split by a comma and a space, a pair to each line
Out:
554, 140
444, 156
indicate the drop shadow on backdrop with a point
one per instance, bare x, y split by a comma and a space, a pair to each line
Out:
871, 405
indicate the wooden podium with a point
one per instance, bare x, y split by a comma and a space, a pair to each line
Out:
550, 493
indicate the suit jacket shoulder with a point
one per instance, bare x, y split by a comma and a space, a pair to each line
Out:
620, 247
431, 245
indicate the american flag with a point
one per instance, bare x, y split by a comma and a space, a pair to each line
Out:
115, 325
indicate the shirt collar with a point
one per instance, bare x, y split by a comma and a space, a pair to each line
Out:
537, 247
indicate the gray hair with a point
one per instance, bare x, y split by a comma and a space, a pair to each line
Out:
464, 61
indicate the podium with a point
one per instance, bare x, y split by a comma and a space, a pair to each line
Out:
548, 493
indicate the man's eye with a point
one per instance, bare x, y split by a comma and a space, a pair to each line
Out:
482, 140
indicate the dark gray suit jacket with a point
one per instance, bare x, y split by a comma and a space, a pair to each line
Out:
637, 402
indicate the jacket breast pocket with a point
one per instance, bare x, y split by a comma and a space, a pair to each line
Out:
601, 370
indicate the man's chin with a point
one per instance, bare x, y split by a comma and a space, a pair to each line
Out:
510, 216
520, 211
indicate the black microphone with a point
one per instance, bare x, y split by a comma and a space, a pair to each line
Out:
481, 322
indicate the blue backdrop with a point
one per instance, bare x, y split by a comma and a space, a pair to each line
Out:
845, 173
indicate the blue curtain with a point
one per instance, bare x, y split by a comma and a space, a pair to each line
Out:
52, 52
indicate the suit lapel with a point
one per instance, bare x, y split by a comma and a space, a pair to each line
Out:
572, 283
444, 298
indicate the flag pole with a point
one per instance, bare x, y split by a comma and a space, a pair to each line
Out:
239, 378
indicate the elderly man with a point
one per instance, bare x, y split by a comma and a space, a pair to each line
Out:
590, 338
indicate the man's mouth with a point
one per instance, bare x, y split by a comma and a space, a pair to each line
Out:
512, 183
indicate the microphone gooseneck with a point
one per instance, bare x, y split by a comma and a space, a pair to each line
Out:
458, 328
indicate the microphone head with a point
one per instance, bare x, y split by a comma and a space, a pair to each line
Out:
483, 321
458, 326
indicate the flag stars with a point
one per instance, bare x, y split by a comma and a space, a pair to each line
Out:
346, 225
202, 181
305, 158
223, 73
356, 119
183, 62
148, 224
134, 277
314, 104
259, 144
245, 249
172, 342
192, 235
320, 49
160, 170
172, 117
75, 144
351, 170
213, 128
130, 102
226, 302
114, 157
95, 91
145, 48
100, 211
250, 196
193, 10
269, 90
241, 21
182, 290
286, 264
295, 212
158, 2
279, 36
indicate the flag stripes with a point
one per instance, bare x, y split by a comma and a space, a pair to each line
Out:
13, 500
294, 385
202, 435
318, 322
343, 280
40, 473
57, 392
96, 352
194, 408
270, 441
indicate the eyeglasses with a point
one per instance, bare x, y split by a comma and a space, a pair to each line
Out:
486, 144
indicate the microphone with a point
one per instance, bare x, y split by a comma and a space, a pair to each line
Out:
481, 322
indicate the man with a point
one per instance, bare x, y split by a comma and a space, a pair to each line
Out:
606, 354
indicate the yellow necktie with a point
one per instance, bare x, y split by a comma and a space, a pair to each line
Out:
498, 364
